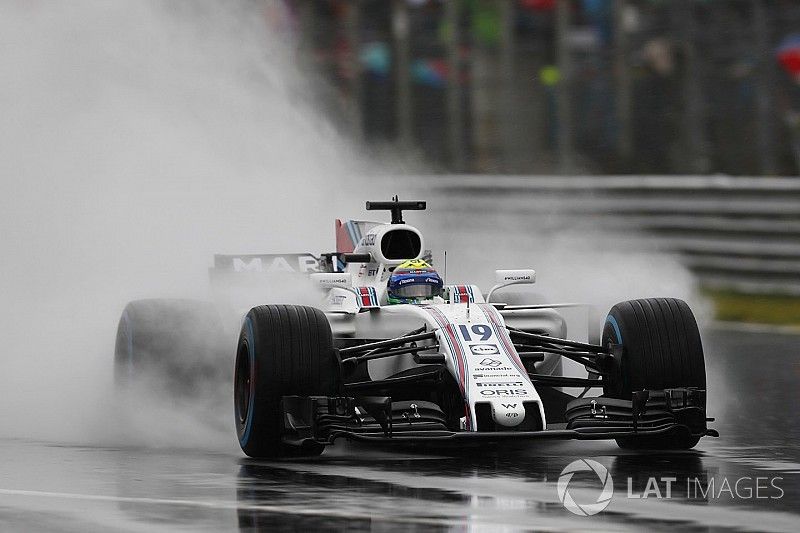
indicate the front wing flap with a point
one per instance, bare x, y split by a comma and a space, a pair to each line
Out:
324, 419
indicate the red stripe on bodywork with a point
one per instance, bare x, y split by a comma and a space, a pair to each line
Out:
458, 357
462, 293
365, 296
459, 353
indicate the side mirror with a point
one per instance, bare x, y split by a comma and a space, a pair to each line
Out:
505, 278
330, 280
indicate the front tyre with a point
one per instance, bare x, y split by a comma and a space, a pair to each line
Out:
283, 350
662, 350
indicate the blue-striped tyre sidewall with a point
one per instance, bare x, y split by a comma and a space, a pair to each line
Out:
290, 352
661, 344
249, 340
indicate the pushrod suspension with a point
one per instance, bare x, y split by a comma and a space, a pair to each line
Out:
388, 353
389, 343
574, 356
593, 348
563, 381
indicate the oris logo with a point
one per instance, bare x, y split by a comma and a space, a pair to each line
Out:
504, 392
483, 349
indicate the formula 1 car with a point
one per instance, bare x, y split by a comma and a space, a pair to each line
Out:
458, 367
455, 368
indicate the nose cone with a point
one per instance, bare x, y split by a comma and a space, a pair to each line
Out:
508, 413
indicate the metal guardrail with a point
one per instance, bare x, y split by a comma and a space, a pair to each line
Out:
741, 234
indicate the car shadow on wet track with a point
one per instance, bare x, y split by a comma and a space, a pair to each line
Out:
374, 490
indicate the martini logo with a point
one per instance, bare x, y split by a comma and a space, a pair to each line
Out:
583, 508
483, 349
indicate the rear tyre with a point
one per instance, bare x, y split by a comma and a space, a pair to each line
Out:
175, 344
662, 349
283, 350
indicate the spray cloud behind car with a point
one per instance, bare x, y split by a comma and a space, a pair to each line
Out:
141, 137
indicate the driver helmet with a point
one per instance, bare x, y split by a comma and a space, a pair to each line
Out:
413, 281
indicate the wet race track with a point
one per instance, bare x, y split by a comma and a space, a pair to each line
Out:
754, 395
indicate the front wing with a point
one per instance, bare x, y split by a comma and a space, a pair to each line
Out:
322, 420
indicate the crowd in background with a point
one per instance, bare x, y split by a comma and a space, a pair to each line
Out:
573, 86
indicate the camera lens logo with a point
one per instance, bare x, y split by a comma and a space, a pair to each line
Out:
585, 509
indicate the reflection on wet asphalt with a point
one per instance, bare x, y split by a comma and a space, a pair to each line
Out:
753, 382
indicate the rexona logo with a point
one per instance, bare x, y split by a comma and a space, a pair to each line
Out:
606, 488
483, 349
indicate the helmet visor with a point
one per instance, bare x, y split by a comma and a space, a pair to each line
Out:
417, 290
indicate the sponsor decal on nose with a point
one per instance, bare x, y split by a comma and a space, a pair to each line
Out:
483, 349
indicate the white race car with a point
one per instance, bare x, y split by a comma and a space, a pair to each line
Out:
381, 362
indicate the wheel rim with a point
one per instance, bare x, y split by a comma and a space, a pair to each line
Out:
243, 380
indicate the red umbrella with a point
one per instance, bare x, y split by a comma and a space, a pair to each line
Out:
540, 5
788, 54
